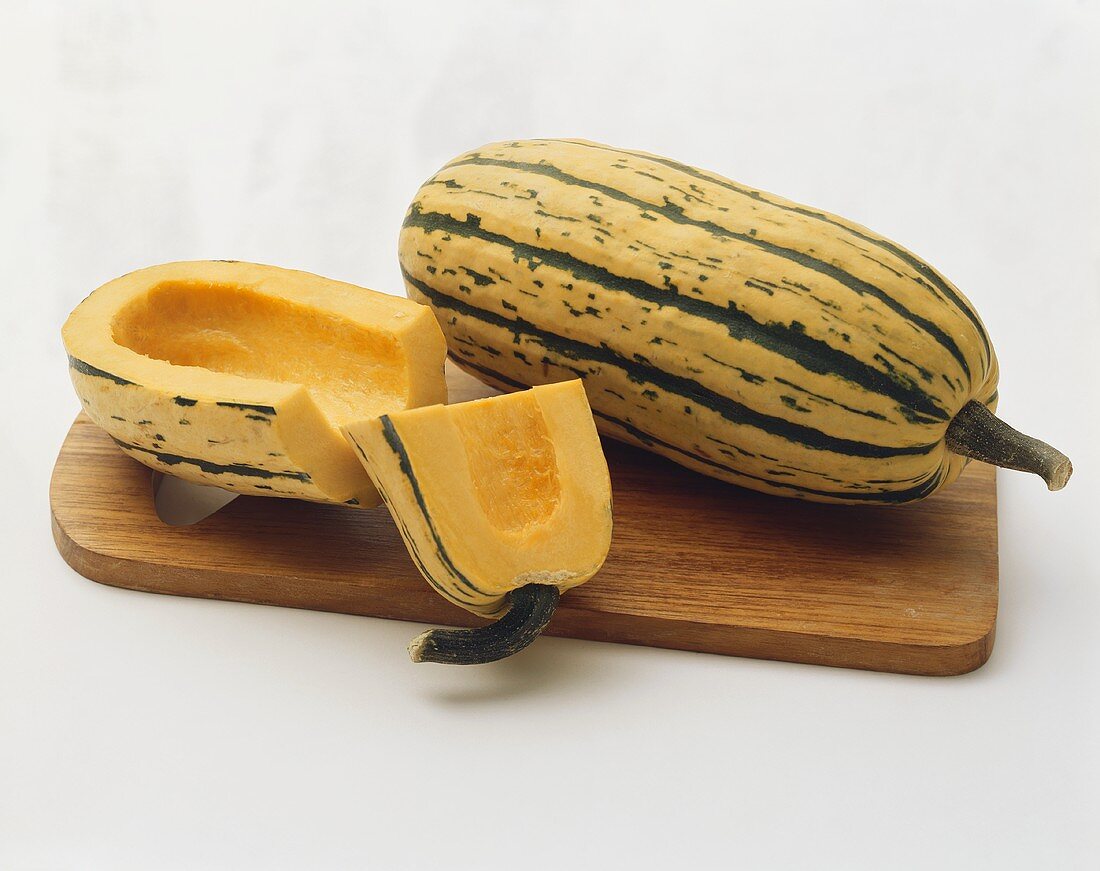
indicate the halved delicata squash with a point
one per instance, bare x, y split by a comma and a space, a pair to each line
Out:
503, 503
241, 375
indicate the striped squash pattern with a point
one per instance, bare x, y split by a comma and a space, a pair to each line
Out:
742, 335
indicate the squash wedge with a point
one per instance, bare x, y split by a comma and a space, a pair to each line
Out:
503, 503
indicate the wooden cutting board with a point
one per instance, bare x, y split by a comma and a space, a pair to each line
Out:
695, 564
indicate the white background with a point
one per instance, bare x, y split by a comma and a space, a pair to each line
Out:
148, 732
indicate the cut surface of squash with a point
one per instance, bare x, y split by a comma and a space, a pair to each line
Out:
239, 375
512, 463
495, 494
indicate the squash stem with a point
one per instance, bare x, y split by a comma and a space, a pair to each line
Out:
532, 606
978, 433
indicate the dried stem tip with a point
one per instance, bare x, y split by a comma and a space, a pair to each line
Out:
978, 433
532, 606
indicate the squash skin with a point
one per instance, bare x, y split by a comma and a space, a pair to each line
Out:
755, 340
245, 434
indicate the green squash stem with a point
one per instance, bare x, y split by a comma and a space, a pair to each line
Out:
532, 606
976, 432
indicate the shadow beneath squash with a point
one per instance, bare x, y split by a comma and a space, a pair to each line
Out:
550, 665
741, 521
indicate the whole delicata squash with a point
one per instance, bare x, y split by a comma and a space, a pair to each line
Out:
740, 334
240, 375
503, 504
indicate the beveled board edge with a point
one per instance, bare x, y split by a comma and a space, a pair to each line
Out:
755, 643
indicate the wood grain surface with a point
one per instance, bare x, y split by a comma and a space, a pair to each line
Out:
695, 564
